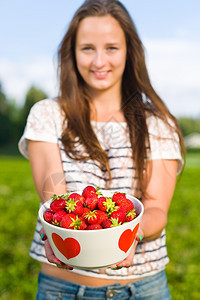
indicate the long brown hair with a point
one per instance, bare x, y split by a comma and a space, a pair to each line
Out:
138, 95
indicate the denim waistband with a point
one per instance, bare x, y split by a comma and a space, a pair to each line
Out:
54, 288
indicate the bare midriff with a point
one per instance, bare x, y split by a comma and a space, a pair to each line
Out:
80, 279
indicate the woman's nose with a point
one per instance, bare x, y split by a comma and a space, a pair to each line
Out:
99, 59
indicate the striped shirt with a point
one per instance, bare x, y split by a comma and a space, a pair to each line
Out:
44, 123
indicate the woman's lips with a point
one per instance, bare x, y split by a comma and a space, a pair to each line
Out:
100, 75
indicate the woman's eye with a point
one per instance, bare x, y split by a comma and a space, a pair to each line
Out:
87, 48
111, 48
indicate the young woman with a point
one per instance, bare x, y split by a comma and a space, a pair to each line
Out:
108, 127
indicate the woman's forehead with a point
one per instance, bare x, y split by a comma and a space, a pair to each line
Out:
105, 27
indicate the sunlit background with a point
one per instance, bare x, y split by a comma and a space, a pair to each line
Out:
31, 31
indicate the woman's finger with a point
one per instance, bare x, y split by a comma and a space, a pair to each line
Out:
50, 254
140, 235
43, 234
127, 262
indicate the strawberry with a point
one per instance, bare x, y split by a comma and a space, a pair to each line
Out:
57, 203
74, 206
88, 191
48, 216
106, 204
130, 215
85, 210
71, 221
94, 227
83, 224
77, 197
91, 201
67, 221
102, 215
117, 196
127, 204
57, 217
119, 214
101, 203
106, 223
92, 217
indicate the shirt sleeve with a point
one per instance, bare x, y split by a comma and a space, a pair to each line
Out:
41, 125
164, 142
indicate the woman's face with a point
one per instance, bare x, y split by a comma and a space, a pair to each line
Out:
101, 52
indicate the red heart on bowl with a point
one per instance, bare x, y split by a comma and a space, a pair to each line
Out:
69, 247
126, 238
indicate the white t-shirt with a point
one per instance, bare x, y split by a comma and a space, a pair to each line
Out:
44, 123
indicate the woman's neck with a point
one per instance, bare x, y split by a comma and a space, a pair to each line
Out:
106, 107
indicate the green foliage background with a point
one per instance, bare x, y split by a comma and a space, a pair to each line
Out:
12, 117
18, 212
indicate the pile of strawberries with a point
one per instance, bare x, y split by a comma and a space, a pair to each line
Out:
89, 210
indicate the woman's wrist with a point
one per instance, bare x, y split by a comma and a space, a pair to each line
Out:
152, 224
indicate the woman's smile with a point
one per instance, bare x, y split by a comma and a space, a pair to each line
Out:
101, 75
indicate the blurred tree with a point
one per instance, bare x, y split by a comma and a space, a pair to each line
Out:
13, 118
189, 125
5, 122
3, 106
33, 95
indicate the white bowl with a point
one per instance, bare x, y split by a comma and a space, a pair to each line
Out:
93, 249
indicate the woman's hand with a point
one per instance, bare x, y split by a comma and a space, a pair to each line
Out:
50, 254
127, 262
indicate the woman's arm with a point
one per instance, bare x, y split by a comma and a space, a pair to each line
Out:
49, 179
160, 190
47, 169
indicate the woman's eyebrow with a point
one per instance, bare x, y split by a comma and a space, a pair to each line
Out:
91, 44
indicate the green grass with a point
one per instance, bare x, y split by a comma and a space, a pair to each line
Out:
18, 207
183, 233
18, 210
